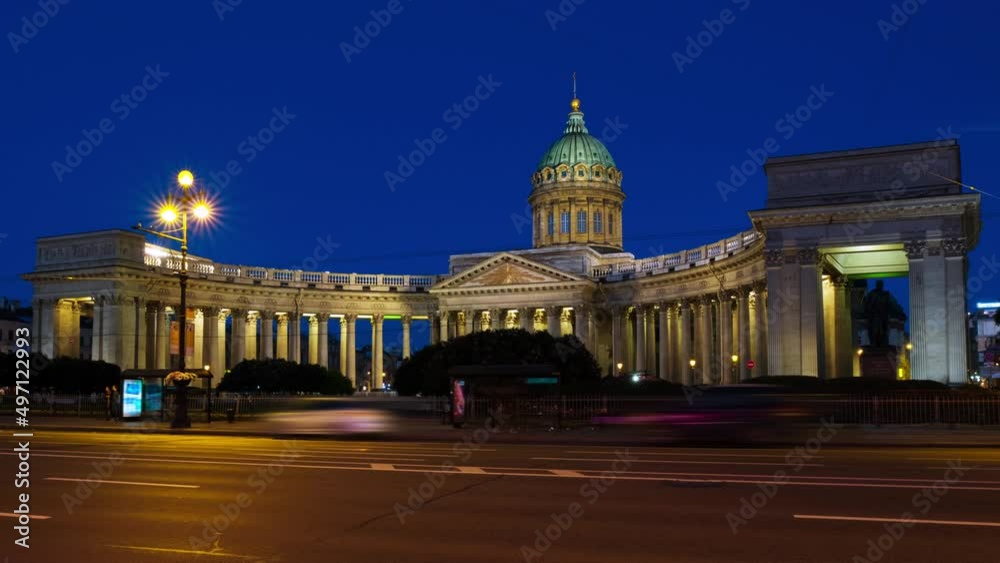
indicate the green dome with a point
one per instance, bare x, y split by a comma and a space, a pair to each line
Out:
576, 146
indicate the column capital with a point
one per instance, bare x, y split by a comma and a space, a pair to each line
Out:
378, 318
265, 314
810, 256
313, 321
351, 317
774, 257
955, 247
915, 248
406, 319
840, 282
238, 313
282, 318
743, 291
444, 315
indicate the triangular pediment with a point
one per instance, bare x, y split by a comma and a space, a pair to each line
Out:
505, 269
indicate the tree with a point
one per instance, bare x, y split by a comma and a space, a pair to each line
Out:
283, 376
426, 371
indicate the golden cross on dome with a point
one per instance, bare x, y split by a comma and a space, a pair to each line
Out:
575, 104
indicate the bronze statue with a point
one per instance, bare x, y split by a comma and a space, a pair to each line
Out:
879, 305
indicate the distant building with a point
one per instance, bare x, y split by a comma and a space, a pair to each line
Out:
10, 321
985, 337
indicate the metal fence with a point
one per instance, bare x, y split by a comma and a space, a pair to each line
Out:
876, 410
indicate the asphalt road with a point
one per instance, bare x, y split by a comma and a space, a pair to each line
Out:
168, 498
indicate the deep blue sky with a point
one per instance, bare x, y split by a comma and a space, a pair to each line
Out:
323, 175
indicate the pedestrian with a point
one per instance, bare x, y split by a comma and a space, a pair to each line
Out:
116, 402
107, 402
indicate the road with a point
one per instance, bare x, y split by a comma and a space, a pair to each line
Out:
167, 498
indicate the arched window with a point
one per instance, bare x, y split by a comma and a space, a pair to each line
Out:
564, 222
581, 221
552, 225
598, 224
611, 223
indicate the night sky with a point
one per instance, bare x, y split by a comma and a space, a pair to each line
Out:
208, 82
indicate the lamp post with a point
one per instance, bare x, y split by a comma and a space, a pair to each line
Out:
169, 214
620, 368
692, 363
735, 360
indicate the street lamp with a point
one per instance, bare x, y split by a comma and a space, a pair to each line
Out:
169, 213
620, 368
735, 360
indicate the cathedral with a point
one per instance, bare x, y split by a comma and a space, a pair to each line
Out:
774, 299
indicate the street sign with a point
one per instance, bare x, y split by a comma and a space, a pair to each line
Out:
751, 364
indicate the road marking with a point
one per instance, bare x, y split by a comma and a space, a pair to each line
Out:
186, 551
645, 476
103, 481
200, 455
913, 520
640, 452
685, 462
566, 473
974, 467
33, 516
473, 470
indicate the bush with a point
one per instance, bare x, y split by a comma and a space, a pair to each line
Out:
426, 371
65, 375
282, 376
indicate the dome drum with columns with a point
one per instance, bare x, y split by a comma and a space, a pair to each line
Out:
778, 294
577, 191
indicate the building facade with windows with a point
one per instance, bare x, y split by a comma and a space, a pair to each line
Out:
772, 300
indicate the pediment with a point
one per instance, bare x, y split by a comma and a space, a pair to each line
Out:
507, 269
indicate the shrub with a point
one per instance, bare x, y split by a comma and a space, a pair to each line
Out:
283, 376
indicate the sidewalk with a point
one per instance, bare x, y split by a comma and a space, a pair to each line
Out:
431, 430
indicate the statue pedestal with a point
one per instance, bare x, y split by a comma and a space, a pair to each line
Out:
879, 362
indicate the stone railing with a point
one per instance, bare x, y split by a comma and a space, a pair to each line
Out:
160, 257
699, 256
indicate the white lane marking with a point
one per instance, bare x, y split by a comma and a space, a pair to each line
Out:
200, 454
566, 473
472, 470
913, 520
187, 551
974, 467
964, 458
640, 452
383, 467
681, 461
33, 516
136, 483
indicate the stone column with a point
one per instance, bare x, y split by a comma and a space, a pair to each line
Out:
313, 357
743, 332
706, 359
566, 322
764, 329
267, 335
778, 310
352, 350
47, 328
162, 337
406, 320
685, 343
378, 324
36, 323
526, 317
237, 343
581, 324
144, 331
618, 314
250, 340
295, 336
843, 337
955, 268
663, 369
197, 355
553, 320
343, 345
282, 351
496, 319
919, 360
443, 325
213, 355
726, 348
640, 338
812, 342
323, 319
469, 318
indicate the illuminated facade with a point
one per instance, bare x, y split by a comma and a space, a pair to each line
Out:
776, 295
